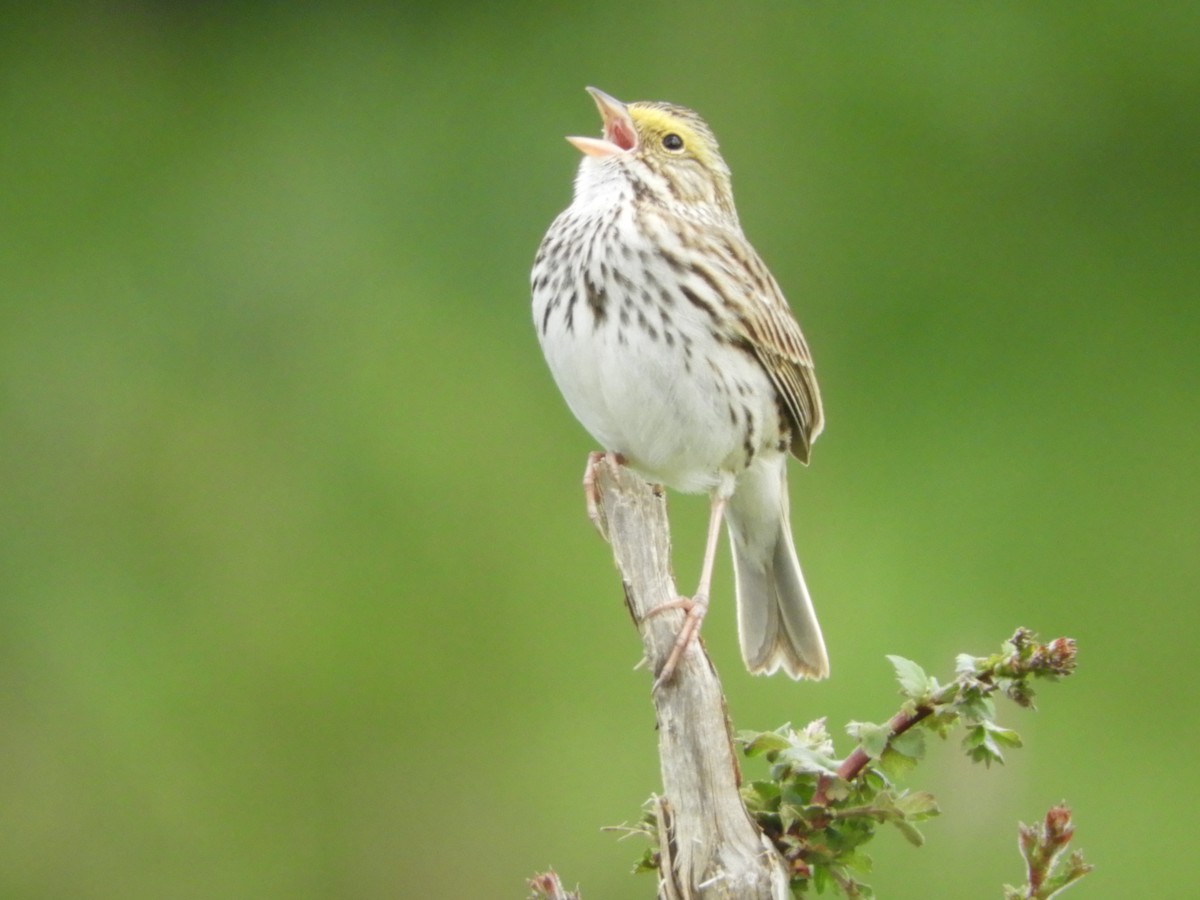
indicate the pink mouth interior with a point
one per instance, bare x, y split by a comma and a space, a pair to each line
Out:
619, 132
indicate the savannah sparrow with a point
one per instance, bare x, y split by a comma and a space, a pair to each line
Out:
675, 348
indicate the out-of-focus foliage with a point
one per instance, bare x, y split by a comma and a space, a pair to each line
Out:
297, 598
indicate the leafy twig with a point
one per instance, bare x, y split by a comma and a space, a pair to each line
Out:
1048, 872
819, 811
1010, 671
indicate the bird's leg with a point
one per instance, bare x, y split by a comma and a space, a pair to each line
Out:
591, 493
697, 605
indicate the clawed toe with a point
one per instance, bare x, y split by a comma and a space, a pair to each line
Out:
695, 609
591, 491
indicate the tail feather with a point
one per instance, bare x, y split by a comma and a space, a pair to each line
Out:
777, 625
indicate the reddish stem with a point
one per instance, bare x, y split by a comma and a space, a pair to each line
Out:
853, 765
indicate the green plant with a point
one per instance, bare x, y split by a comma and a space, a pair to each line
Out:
1048, 872
820, 811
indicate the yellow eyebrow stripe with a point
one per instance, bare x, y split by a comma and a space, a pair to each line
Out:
653, 122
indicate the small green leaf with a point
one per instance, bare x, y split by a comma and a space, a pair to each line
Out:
918, 805
789, 815
821, 878
872, 737
1005, 736
896, 765
975, 705
761, 796
910, 831
860, 862
837, 790
872, 780
757, 743
942, 722
949, 692
985, 755
981, 746
965, 664
647, 863
914, 683
883, 805
910, 744
802, 759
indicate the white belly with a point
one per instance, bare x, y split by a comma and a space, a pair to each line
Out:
680, 409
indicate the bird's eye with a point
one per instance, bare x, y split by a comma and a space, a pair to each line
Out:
672, 141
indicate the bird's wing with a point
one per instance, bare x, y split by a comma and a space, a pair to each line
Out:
765, 321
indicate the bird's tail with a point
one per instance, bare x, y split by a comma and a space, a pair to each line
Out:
776, 622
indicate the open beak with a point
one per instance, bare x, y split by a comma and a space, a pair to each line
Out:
619, 133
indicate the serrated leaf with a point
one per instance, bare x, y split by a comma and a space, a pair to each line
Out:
918, 805
974, 737
976, 706
980, 746
1005, 736
986, 754
914, 683
872, 737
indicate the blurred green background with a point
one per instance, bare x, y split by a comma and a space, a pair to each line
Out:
297, 596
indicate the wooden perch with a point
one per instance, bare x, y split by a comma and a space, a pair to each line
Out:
710, 848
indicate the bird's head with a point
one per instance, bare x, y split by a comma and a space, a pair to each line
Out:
668, 150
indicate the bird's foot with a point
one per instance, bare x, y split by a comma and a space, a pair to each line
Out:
591, 492
695, 609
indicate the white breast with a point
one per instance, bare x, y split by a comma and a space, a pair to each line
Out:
638, 364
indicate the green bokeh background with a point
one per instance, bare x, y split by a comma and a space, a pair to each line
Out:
297, 598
